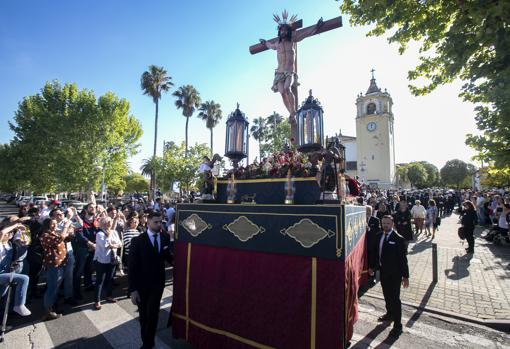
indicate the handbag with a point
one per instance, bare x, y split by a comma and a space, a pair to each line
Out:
438, 221
461, 233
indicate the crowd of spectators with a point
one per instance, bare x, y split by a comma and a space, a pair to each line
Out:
70, 250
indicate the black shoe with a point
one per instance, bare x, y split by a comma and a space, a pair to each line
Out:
396, 332
385, 317
71, 301
470, 250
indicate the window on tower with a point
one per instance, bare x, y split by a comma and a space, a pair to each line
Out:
371, 108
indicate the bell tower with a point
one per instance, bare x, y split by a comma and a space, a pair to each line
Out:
375, 137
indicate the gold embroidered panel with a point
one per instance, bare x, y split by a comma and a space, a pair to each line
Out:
195, 225
307, 233
243, 229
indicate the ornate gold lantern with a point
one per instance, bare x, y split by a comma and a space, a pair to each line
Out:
236, 140
310, 125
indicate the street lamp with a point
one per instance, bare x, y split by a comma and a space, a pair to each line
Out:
236, 140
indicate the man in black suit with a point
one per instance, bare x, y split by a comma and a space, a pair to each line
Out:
147, 255
373, 228
391, 260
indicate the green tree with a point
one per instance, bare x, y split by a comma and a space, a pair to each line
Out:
454, 172
279, 137
417, 174
63, 135
467, 40
432, 174
210, 112
182, 168
258, 131
152, 168
188, 99
154, 82
136, 183
402, 174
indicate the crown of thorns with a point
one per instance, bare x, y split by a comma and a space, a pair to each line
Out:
284, 19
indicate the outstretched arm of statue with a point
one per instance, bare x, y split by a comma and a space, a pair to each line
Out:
271, 44
306, 32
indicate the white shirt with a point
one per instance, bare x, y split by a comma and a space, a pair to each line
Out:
103, 253
204, 167
381, 242
151, 238
418, 211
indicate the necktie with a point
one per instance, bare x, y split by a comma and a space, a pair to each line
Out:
156, 246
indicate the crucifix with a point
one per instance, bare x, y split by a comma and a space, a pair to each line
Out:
286, 79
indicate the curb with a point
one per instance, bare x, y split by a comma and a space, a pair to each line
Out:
500, 325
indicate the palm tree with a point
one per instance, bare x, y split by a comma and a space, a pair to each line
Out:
210, 112
149, 168
188, 99
154, 82
273, 120
259, 131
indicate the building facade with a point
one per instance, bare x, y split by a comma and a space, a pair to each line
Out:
371, 154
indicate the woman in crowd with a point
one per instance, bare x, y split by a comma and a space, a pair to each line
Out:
430, 219
107, 243
418, 212
382, 211
130, 233
21, 281
54, 258
468, 222
142, 221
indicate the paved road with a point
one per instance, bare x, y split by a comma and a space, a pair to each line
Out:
116, 326
471, 285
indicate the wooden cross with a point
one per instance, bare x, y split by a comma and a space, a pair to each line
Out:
305, 32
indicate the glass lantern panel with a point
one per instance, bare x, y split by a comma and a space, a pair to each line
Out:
300, 128
309, 127
239, 136
318, 128
232, 137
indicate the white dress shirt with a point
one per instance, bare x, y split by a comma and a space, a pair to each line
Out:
151, 237
381, 242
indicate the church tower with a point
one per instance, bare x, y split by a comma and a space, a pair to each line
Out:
375, 137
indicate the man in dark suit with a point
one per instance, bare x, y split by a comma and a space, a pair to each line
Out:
147, 255
391, 260
373, 228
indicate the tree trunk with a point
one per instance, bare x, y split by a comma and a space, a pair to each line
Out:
260, 152
211, 142
187, 120
153, 174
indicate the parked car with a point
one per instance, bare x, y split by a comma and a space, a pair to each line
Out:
34, 199
22, 200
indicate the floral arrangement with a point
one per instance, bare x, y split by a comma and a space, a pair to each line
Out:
277, 165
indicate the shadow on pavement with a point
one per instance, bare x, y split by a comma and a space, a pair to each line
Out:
459, 269
423, 303
419, 246
365, 342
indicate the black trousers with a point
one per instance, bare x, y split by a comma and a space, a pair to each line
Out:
391, 290
149, 312
469, 234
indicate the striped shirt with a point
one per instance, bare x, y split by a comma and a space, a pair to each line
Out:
128, 235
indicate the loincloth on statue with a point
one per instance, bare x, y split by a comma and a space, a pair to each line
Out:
281, 77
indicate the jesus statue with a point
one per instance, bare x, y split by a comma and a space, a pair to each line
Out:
285, 76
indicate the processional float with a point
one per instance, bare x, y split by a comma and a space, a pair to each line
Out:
274, 257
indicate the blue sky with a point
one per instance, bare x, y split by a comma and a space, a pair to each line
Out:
106, 46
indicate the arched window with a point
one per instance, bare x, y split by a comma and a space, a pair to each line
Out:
371, 108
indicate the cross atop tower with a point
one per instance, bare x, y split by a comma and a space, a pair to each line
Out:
372, 71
